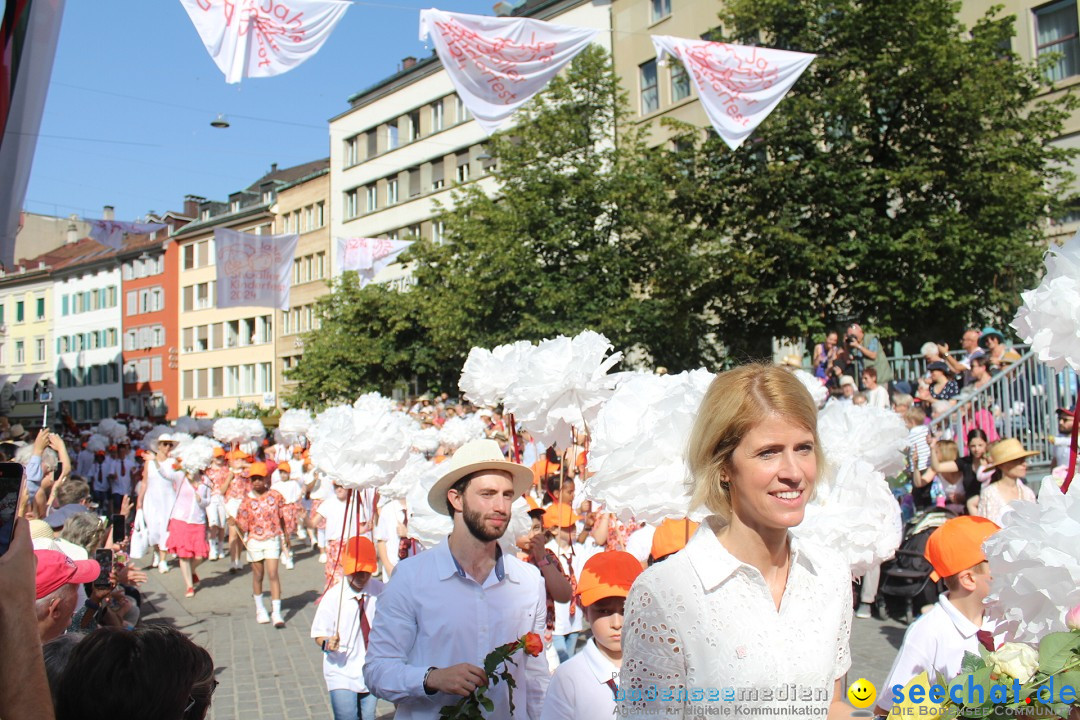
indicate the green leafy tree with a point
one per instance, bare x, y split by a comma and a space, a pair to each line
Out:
371, 338
904, 181
579, 235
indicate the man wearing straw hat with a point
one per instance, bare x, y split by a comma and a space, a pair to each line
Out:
445, 609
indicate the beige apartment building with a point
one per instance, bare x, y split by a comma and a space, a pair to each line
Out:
227, 355
407, 141
303, 207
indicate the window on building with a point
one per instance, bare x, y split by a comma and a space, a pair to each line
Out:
128, 275
202, 338
659, 9
392, 191
286, 326
309, 218
202, 253
437, 180
414, 182
650, 93
320, 265
463, 113
202, 296
438, 229
436, 116
20, 352
20, 311
462, 167
189, 298
247, 379
112, 335
352, 150
247, 331
217, 382
350, 203
39, 349
232, 333
133, 302
63, 308
264, 329
1056, 31
217, 336
391, 136
414, 125
201, 385
232, 380
39, 307
680, 82
372, 143
110, 296
189, 258
320, 213
372, 195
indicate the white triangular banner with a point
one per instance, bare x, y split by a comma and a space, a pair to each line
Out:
498, 64
110, 233
263, 38
738, 85
368, 256
254, 270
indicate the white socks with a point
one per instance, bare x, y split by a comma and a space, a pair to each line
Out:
259, 602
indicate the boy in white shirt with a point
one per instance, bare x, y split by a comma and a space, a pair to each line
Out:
344, 640
937, 641
561, 522
584, 687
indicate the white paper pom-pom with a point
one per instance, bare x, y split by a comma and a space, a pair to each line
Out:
229, 430
293, 426
426, 441
488, 373
1050, 314
561, 386
1035, 562
254, 430
426, 526
854, 432
639, 443
98, 443
520, 524
853, 511
179, 437
362, 446
188, 424
195, 455
113, 430
814, 386
459, 430
406, 478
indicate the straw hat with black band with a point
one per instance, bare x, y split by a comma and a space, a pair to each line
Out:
473, 457
1007, 450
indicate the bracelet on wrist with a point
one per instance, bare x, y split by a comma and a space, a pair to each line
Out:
429, 691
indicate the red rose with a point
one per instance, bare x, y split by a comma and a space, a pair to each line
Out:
533, 644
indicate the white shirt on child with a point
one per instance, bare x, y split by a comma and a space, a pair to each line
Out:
936, 643
343, 669
579, 689
565, 622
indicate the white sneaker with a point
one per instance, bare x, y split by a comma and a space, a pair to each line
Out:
157, 561
261, 617
279, 622
322, 558
301, 533
213, 553
163, 567
287, 562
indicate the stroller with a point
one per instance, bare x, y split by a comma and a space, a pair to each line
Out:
906, 586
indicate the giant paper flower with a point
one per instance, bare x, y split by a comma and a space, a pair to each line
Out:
488, 373
364, 445
294, 425
1049, 317
457, 431
426, 526
195, 455
853, 432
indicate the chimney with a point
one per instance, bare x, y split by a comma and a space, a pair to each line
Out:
408, 62
191, 205
108, 213
72, 234
273, 167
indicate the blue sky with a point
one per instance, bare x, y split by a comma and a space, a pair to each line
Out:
127, 120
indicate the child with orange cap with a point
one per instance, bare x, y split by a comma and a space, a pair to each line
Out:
217, 474
341, 627
585, 686
671, 537
937, 641
234, 489
561, 522
262, 517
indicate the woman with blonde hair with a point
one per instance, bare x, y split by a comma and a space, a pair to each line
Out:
746, 606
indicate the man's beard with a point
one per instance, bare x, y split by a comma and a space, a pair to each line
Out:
474, 522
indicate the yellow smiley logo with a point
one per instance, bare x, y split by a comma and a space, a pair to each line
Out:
862, 693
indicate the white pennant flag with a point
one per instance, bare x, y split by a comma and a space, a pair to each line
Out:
368, 256
497, 64
263, 38
253, 270
738, 85
110, 233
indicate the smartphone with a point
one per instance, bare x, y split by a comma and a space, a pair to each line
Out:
105, 560
11, 489
119, 529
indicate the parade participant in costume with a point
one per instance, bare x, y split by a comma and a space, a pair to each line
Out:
561, 522
157, 495
937, 641
711, 616
340, 515
445, 609
342, 628
187, 526
216, 517
1008, 458
292, 492
101, 482
585, 687
236, 487
261, 517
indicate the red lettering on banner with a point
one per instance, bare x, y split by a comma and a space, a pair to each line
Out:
711, 66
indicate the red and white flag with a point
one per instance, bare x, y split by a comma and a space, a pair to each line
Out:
738, 85
110, 233
263, 38
497, 64
368, 256
253, 270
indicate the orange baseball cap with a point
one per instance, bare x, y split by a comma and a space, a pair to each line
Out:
219, 452
559, 515
359, 556
607, 574
237, 455
671, 536
284, 467
533, 505
957, 545
257, 469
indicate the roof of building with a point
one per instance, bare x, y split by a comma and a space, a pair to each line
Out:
289, 175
